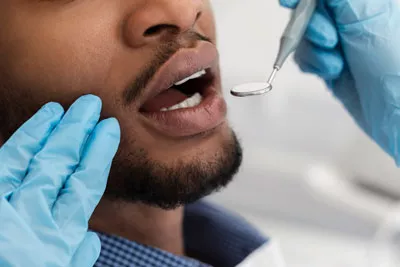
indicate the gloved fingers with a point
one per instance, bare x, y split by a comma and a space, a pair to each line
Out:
88, 252
321, 31
84, 189
18, 151
289, 3
328, 64
56, 161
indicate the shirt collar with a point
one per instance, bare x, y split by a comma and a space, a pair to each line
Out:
211, 234
117, 251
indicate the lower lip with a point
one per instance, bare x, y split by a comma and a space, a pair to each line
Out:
206, 116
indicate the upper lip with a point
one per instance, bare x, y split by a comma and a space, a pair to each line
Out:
182, 64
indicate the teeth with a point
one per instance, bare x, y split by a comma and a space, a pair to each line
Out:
188, 103
191, 77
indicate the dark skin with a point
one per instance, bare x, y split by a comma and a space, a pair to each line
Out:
62, 49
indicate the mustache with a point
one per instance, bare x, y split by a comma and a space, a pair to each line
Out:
162, 54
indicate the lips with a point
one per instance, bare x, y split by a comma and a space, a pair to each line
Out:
161, 93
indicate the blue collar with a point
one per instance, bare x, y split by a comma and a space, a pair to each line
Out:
212, 235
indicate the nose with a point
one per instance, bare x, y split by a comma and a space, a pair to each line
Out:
159, 20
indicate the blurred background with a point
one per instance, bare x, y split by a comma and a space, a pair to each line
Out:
310, 179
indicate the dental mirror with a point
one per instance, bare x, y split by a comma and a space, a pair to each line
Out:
249, 89
290, 40
253, 89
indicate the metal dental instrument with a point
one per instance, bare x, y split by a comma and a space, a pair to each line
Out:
289, 41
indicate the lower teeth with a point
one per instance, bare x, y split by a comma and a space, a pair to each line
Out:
192, 101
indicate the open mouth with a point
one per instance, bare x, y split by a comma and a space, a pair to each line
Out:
186, 93
183, 98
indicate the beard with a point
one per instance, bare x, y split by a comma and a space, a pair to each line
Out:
135, 177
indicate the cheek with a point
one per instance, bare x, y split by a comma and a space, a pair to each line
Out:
65, 53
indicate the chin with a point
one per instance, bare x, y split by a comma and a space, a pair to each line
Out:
201, 165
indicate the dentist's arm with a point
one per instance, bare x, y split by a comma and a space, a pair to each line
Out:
53, 172
354, 45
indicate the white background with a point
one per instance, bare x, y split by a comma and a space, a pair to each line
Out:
302, 150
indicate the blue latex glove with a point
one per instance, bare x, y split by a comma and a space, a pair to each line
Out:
354, 45
53, 172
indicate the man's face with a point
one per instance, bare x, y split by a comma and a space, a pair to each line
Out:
130, 53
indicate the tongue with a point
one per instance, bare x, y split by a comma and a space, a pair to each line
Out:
166, 99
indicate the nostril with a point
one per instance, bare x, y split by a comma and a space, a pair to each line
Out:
198, 16
155, 30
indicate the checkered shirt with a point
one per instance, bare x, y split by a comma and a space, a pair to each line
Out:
212, 235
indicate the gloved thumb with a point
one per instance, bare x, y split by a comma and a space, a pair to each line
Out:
349, 11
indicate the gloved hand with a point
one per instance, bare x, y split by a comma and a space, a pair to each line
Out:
53, 172
354, 45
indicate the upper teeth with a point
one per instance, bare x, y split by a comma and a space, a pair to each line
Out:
191, 77
188, 103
